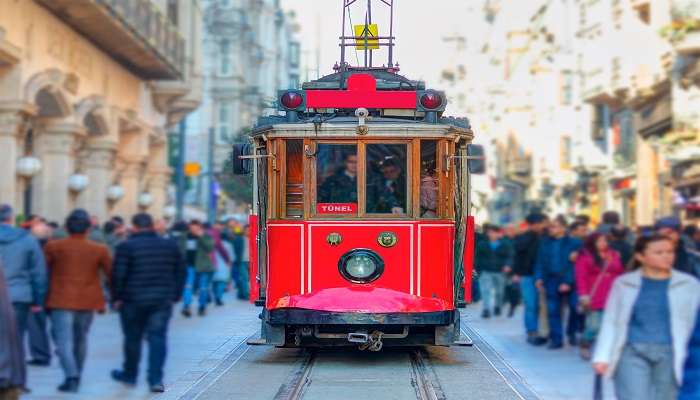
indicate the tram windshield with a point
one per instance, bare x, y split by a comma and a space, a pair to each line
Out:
387, 165
336, 177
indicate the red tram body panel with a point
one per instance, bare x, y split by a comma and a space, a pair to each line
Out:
418, 275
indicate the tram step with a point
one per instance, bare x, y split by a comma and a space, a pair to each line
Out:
463, 341
256, 342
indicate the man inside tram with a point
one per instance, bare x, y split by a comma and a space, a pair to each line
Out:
387, 194
341, 187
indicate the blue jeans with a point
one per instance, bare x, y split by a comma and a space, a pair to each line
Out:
197, 281
531, 303
555, 301
240, 278
492, 282
39, 346
69, 329
152, 321
219, 288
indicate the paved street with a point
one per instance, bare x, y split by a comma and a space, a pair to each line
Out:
196, 346
206, 360
553, 375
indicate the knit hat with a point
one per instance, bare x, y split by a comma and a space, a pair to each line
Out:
668, 222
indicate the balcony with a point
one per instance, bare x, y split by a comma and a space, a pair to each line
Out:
134, 32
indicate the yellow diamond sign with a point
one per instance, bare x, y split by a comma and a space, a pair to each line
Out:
369, 31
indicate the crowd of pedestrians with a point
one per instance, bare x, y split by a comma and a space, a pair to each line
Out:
630, 299
55, 277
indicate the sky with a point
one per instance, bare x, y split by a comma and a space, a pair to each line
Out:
420, 28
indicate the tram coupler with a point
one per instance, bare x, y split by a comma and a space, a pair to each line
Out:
358, 337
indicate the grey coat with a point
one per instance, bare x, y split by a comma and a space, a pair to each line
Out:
24, 265
12, 368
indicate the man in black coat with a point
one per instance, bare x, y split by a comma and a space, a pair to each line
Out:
13, 373
525, 246
147, 278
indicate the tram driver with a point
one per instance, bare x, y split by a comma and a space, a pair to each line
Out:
387, 194
341, 187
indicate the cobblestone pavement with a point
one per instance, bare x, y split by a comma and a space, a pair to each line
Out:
552, 374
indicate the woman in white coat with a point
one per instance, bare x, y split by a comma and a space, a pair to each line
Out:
647, 324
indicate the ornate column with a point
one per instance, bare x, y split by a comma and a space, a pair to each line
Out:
98, 165
158, 180
10, 127
131, 173
55, 146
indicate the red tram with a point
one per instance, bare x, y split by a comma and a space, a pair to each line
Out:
360, 231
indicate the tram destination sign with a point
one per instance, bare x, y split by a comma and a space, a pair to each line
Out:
336, 208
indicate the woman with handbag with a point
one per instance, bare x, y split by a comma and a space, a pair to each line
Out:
648, 321
597, 267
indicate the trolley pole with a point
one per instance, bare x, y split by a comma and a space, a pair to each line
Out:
180, 170
211, 205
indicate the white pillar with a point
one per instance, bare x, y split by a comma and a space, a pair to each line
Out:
99, 167
55, 148
131, 176
10, 125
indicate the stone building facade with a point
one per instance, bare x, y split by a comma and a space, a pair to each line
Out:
87, 91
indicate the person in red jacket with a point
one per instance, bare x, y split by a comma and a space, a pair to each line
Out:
597, 267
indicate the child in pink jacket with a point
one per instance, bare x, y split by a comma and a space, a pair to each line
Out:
597, 267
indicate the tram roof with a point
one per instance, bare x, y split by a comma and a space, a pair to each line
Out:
346, 126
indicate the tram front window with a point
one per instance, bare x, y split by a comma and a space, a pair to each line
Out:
386, 178
336, 179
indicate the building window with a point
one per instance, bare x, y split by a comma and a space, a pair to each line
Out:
225, 3
601, 124
224, 122
172, 11
567, 88
565, 153
293, 81
225, 59
294, 54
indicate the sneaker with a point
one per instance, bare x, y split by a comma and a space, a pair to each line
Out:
219, 303
511, 312
157, 388
120, 376
485, 314
186, 312
38, 363
202, 311
70, 385
497, 311
573, 342
555, 346
536, 340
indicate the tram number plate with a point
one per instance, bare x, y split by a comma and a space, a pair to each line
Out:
336, 208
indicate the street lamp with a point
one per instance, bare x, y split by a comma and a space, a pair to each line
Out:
78, 182
28, 167
115, 192
145, 199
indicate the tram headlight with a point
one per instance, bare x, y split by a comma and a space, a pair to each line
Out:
431, 100
292, 100
361, 266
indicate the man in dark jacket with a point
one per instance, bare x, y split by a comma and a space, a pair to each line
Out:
13, 372
148, 276
687, 258
554, 273
25, 269
493, 259
525, 247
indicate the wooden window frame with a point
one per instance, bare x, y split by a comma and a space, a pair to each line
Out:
277, 173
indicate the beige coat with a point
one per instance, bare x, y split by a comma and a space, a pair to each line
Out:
684, 300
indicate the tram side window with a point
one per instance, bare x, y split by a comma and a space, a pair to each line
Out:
387, 168
428, 179
336, 179
295, 178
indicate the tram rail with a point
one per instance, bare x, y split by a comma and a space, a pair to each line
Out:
424, 380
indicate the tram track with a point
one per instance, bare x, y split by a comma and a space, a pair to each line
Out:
423, 378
